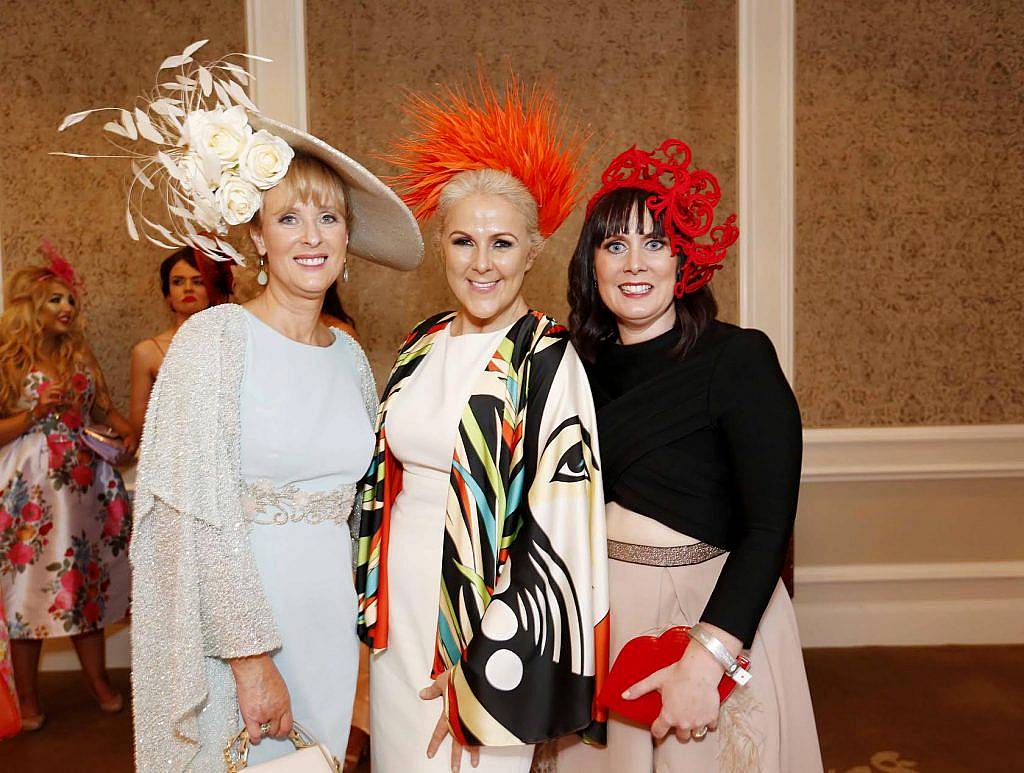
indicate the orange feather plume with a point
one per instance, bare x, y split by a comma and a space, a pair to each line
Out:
521, 134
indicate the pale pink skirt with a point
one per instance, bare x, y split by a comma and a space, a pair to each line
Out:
766, 726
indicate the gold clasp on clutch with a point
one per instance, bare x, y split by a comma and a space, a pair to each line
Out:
236, 753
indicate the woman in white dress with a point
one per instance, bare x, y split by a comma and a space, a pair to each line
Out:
482, 551
258, 427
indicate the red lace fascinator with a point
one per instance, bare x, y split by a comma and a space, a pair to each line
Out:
683, 200
58, 268
523, 134
217, 277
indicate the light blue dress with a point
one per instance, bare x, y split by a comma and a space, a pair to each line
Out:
306, 439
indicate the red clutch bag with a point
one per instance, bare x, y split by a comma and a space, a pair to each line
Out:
640, 658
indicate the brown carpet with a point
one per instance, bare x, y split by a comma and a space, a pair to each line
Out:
879, 710
947, 709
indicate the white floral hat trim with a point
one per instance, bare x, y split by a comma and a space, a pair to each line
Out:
207, 162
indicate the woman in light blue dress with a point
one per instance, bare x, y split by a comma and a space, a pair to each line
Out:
271, 580
258, 427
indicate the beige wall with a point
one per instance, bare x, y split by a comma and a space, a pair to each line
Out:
624, 73
896, 522
909, 293
56, 58
909, 303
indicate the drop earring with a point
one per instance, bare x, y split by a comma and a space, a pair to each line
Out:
344, 274
261, 277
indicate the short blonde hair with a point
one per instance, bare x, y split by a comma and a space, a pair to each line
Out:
489, 182
310, 179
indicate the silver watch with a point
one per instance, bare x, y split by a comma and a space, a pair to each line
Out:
720, 653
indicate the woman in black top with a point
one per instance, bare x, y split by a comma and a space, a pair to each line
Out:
700, 439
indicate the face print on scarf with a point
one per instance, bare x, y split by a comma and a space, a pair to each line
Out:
539, 627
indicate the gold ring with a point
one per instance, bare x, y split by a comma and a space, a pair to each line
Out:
698, 734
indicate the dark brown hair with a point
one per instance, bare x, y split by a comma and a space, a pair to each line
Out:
216, 274
591, 323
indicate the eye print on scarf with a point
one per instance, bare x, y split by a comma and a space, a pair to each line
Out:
567, 456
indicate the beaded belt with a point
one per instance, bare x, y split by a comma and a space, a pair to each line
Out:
268, 505
650, 555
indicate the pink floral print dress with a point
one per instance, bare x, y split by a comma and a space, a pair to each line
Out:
65, 518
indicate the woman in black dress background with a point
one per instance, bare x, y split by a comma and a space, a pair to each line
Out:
701, 444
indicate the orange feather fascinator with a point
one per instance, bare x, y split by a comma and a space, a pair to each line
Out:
523, 134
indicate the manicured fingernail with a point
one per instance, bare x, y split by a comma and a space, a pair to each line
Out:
625, 694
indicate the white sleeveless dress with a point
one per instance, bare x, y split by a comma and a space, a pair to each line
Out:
421, 427
306, 440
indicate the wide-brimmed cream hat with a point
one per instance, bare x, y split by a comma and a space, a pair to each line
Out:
210, 154
381, 227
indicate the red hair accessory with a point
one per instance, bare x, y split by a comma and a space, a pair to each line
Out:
684, 201
59, 269
217, 277
523, 135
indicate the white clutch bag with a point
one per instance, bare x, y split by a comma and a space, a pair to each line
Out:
308, 757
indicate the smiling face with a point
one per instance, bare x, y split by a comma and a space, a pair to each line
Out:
636, 276
487, 251
59, 309
186, 292
305, 243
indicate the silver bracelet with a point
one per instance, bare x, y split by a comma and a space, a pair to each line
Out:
721, 654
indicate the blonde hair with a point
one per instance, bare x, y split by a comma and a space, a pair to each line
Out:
310, 179
22, 335
489, 182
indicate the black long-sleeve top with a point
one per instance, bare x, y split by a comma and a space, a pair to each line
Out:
710, 446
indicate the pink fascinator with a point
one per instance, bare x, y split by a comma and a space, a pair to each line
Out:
58, 268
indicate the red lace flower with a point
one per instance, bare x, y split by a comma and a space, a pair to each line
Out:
683, 200
79, 382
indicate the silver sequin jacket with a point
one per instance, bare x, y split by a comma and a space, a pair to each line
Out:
197, 598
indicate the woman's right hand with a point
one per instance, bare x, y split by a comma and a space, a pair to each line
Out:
51, 400
262, 697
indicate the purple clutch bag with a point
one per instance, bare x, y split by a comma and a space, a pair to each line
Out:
104, 443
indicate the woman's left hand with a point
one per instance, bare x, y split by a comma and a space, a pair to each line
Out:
437, 690
689, 695
131, 445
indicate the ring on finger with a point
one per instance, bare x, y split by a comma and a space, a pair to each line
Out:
698, 734
264, 728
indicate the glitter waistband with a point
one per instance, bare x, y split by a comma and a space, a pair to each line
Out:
650, 555
265, 504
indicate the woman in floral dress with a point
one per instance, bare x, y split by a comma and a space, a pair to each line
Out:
64, 514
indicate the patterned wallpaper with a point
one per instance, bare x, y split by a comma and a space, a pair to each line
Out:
625, 74
910, 151
56, 58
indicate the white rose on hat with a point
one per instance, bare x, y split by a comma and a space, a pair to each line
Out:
219, 134
237, 199
193, 174
265, 160
207, 214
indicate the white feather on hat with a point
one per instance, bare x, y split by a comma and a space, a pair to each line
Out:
212, 154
